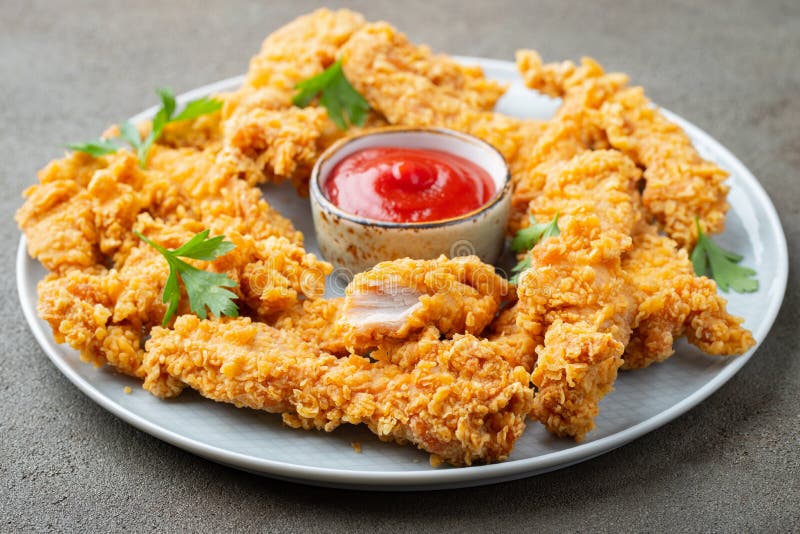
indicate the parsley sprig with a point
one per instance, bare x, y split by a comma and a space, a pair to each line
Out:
96, 148
130, 133
344, 104
526, 238
709, 259
205, 289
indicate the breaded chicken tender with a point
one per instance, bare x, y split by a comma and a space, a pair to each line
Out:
84, 208
680, 185
460, 401
572, 130
675, 302
84, 308
396, 299
576, 294
371, 63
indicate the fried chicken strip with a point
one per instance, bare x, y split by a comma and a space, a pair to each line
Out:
396, 299
675, 302
373, 63
276, 141
572, 130
84, 208
576, 294
461, 401
680, 185
106, 313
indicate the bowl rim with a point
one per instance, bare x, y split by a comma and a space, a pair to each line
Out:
328, 206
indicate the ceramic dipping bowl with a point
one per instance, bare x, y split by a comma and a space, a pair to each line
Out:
355, 243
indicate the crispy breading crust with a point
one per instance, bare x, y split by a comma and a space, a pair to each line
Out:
583, 91
457, 296
576, 294
460, 401
405, 97
680, 184
675, 302
516, 345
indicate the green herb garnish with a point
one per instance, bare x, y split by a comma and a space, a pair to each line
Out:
205, 289
344, 104
99, 147
526, 238
709, 259
165, 115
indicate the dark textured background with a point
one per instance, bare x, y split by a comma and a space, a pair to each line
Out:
69, 69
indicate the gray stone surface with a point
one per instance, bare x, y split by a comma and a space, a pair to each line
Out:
68, 69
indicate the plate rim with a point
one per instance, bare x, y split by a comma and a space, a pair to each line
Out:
435, 479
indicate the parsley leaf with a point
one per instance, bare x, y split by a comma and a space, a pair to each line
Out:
709, 259
205, 289
527, 238
197, 108
165, 115
99, 147
130, 133
345, 106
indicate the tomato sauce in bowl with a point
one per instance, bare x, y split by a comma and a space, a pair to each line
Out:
408, 185
409, 193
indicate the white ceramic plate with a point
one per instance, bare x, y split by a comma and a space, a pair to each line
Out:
642, 400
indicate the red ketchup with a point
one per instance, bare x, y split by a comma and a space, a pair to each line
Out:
408, 185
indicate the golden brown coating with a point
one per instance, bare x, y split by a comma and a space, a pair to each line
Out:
78, 306
396, 299
82, 209
274, 141
405, 97
576, 294
583, 91
316, 321
85, 307
460, 401
301, 49
558, 142
680, 184
59, 223
462, 82
516, 345
565, 79
266, 137
675, 302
